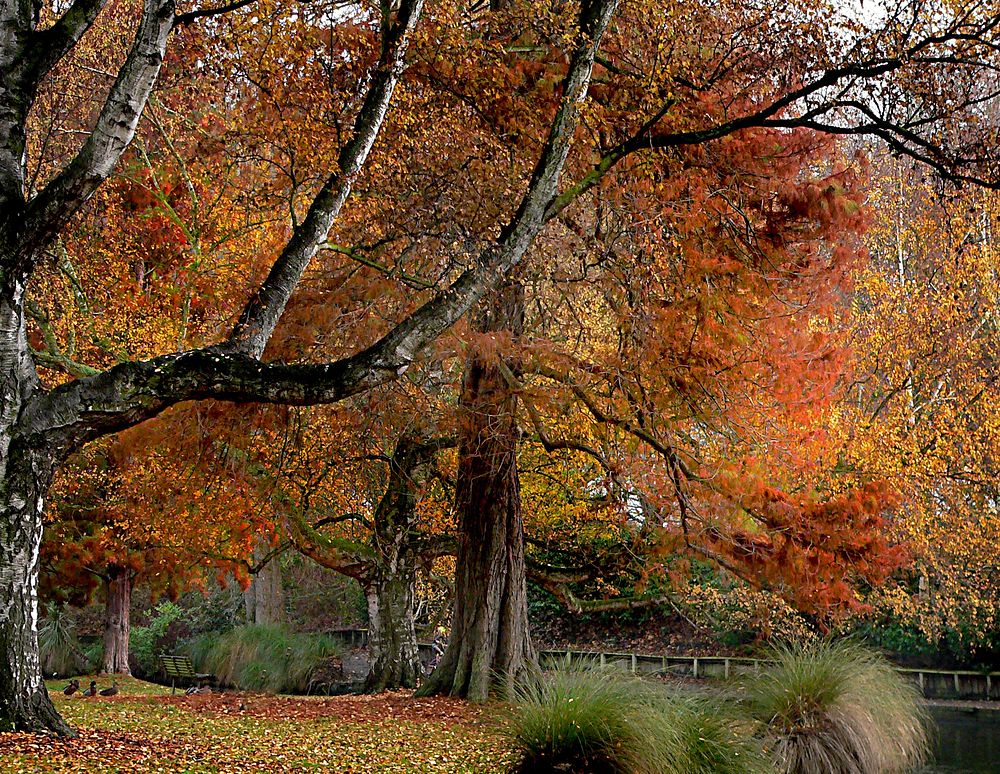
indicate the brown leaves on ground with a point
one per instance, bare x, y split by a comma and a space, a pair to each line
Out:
143, 730
100, 750
386, 707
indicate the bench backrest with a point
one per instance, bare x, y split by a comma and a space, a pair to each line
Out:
178, 666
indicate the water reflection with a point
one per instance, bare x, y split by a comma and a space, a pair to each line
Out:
968, 742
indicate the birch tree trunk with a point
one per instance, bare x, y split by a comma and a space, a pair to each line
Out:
24, 701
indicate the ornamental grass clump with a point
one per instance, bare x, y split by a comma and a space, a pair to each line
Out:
704, 736
837, 708
603, 722
262, 658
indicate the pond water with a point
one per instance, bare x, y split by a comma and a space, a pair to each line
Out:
968, 742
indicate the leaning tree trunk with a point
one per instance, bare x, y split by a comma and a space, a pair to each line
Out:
490, 645
117, 620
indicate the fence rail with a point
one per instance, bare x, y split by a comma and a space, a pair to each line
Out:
933, 683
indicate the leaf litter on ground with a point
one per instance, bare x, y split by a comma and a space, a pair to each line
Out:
146, 729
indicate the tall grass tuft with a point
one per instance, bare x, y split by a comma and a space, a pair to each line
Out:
602, 722
837, 708
262, 658
58, 647
706, 737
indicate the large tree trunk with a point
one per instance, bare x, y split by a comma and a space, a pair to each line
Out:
391, 589
490, 644
117, 620
264, 598
25, 475
392, 635
24, 701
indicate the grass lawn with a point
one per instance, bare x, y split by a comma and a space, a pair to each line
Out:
144, 728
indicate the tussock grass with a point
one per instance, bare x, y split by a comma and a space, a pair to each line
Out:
262, 658
603, 722
837, 708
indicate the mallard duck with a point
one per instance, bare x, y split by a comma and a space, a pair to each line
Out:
73, 687
110, 691
92, 690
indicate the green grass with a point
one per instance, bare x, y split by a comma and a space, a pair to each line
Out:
837, 708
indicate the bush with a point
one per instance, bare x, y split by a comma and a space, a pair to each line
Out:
145, 642
58, 647
604, 723
261, 658
837, 708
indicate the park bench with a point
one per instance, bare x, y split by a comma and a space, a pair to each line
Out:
182, 668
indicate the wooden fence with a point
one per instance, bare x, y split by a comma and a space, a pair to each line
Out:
933, 683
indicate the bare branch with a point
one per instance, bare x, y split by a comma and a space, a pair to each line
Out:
192, 16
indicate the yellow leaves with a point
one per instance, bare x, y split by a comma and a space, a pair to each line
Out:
142, 730
926, 409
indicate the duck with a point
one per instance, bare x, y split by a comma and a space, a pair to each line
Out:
112, 691
92, 690
73, 687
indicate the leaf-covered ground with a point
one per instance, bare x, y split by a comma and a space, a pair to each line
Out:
145, 729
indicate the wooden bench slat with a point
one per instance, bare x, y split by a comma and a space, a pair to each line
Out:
182, 667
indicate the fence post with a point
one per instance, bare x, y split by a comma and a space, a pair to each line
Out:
695, 666
726, 669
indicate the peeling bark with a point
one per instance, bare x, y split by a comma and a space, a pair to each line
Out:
24, 701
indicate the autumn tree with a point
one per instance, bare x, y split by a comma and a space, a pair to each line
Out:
811, 68
922, 410
151, 507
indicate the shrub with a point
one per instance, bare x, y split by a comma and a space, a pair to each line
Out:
837, 708
604, 723
58, 647
261, 658
146, 642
